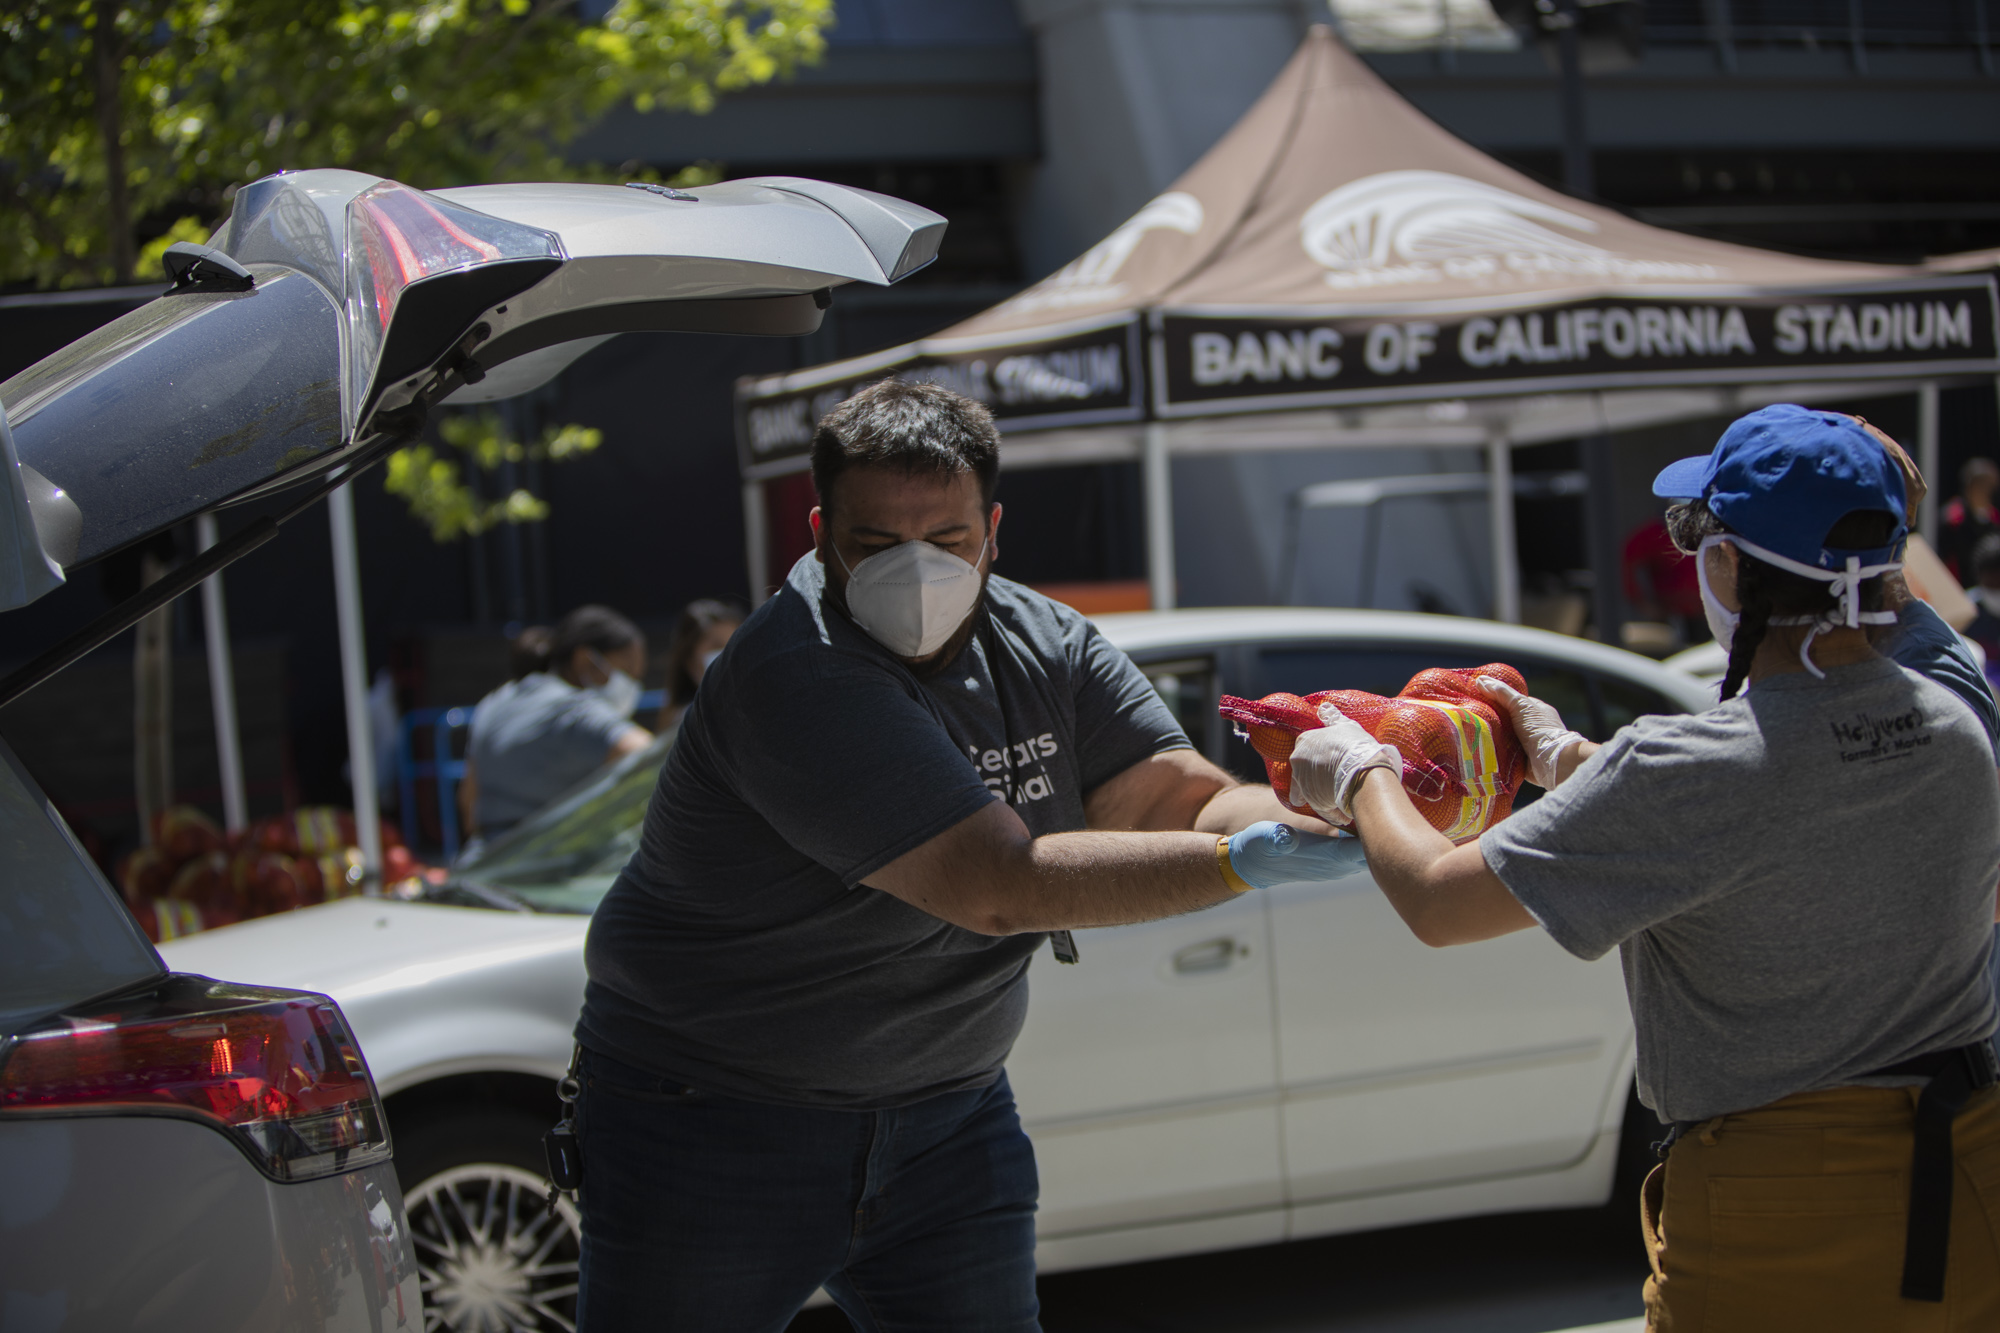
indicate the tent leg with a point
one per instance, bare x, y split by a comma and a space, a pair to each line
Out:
222, 687
1500, 503
756, 541
1601, 532
1927, 458
1159, 483
354, 684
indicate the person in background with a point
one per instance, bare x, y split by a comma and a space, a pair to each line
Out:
1985, 593
1660, 582
529, 650
700, 633
1969, 517
570, 713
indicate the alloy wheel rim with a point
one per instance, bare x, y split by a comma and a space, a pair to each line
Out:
490, 1257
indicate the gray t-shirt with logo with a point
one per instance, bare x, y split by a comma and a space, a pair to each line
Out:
739, 951
1800, 882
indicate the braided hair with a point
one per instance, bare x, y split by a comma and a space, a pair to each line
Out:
1763, 590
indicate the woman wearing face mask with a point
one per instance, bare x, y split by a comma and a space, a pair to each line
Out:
537, 735
698, 638
1801, 882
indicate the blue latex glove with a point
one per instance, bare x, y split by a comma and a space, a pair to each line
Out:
1269, 854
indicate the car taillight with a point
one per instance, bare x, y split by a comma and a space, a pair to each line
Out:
398, 236
276, 1070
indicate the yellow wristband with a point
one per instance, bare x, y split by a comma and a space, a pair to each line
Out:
1236, 882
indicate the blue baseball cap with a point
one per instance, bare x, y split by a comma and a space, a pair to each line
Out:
1785, 474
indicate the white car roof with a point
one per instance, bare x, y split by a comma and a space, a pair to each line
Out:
1204, 628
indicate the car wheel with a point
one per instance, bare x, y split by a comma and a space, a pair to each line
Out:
491, 1257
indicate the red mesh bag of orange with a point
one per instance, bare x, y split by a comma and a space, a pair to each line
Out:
1462, 763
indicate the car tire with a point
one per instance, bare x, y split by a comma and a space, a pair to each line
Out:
490, 1256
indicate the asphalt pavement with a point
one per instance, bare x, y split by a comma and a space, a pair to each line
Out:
1516, 1273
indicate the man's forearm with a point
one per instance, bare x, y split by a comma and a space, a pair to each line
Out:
1076, 880
989, 875
1236, 808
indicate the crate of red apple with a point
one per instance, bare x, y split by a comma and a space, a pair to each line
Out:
196, 877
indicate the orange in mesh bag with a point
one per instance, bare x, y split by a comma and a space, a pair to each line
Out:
1462, 763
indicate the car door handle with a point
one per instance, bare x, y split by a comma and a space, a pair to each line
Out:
1208, 956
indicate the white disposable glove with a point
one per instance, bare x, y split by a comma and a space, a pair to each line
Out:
1329, 761
1540, 727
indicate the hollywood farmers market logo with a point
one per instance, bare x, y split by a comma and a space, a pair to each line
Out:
1403, 227
1091, 278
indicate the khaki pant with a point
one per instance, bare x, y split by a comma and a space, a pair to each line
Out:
1792, 1216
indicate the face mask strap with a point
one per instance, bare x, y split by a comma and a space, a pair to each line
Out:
1847, 595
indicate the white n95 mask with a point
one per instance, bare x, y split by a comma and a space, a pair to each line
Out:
912, 597
1722, 622
618, 689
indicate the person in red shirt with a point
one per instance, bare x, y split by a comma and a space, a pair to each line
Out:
1660, 581
1969, 516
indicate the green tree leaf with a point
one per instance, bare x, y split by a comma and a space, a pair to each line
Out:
120, 117
436, 488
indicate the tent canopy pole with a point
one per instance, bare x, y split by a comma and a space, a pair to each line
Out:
222, 687
1927, 459
756, 542
1500, 501
1157, 465
354, 683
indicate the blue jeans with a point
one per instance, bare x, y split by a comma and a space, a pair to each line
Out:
703, 1213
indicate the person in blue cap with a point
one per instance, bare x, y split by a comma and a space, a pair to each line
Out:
1801, 883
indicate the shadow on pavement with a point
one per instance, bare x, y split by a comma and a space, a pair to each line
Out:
1517, 1273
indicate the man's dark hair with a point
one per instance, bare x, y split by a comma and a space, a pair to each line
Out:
915, 428
1763, 590
597, 628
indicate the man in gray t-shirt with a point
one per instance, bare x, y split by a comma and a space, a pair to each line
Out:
901, 777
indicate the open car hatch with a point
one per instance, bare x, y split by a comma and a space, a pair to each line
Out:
334, 308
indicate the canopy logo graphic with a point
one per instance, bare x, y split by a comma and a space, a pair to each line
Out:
1401, 227
1091, 278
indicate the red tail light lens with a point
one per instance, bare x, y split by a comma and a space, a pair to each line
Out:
276, 1070
397, 236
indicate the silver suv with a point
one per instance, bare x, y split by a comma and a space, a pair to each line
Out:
178, 1152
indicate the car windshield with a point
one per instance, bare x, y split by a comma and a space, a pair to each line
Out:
564, 857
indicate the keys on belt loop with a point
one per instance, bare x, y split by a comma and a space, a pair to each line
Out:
561, 1145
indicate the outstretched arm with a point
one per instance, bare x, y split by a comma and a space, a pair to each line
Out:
988, 874
1182, 790
1445, 894
1151, 851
